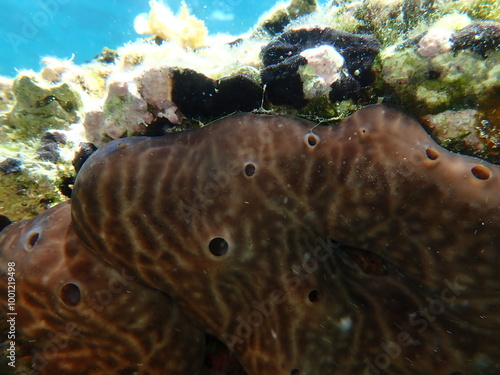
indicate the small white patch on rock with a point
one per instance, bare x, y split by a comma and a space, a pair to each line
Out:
436, 41
324, 65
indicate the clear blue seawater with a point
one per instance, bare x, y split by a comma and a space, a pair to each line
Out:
32, 29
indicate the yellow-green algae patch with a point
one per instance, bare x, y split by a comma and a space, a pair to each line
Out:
477, 9
22, 196
451, 79
39, 108
34, 186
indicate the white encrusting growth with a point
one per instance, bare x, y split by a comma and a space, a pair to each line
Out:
184, 29
436, 41
324, 66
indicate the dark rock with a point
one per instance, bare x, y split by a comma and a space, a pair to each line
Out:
49, 146
284, 85
160, 126
4, 222
193, 93
10, 165
66, 185
198, 96
237, 93
53, 137
49, 153
281, 72
107, 56
86, 149
46, 201
281, 17
479, 37
345, 88
158, 41
277, 24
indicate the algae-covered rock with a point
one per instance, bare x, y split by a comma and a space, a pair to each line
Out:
478, 9
307, 63
403, 67
465, 131
439, 61
30, 173
22, 196
450, 79
431, 98
278, 18
39, 108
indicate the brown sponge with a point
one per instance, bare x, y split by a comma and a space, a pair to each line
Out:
361, 248
75, 314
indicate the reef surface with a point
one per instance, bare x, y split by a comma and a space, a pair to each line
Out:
439, 61
404, 278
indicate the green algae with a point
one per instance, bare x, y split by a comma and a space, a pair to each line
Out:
299, 8
433, 100
34, 188
476, 9
282, 16
40, 108
387, 23
22, 196
448, 80
320, 110
115, 104
403, 67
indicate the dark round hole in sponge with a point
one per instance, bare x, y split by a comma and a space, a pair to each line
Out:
70, 294
312, 140
31, 240
295, 371
431, 153
481, 172
313, 295
250, 169
218, 246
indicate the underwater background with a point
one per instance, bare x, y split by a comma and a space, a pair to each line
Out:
39, 28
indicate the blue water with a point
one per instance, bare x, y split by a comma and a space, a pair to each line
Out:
32, 29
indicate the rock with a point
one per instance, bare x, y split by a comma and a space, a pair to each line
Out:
10, 165
39, 108
304, 64
479, 37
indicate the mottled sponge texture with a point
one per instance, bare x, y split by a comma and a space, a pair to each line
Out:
78, 315
361, 248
